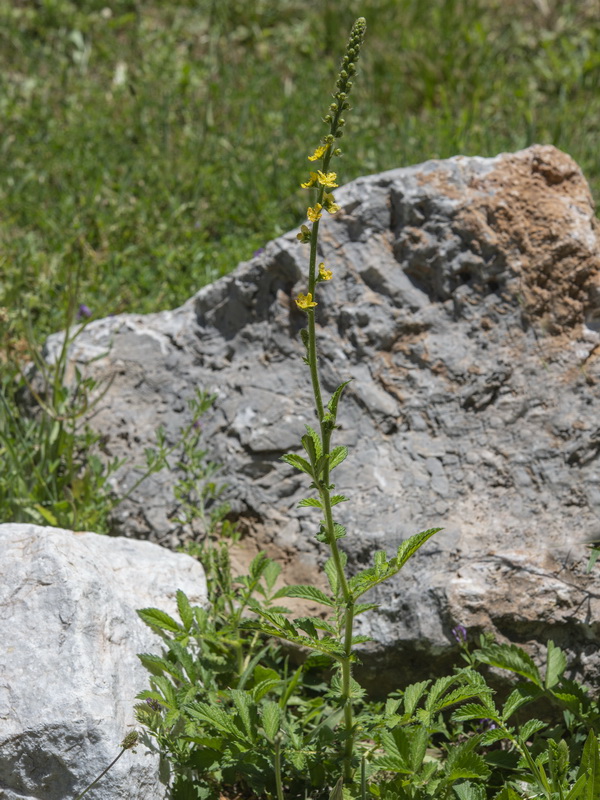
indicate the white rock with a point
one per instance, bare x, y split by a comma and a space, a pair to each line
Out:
69, 673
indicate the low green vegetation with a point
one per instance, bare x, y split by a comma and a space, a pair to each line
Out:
148, 147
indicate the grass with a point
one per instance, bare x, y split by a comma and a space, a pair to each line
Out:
147, 148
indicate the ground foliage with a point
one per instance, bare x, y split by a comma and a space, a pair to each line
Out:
150, 146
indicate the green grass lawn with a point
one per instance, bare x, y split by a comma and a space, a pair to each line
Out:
148, 147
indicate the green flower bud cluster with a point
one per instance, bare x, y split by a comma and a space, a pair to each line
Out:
344, 84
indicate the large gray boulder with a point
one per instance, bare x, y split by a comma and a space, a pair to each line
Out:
465, 306
69, 674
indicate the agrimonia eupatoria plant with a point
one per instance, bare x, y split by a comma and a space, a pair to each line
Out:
236, 721
334, 638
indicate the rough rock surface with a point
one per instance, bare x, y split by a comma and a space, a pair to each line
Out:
69, 672
465, 306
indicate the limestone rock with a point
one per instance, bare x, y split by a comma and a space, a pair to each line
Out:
69, 672
465, 306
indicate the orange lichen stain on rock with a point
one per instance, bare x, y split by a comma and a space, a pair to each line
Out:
539, 207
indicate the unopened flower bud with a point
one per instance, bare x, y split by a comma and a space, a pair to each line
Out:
130, 740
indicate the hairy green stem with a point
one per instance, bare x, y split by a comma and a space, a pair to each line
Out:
277, 765
325, 492
344, 599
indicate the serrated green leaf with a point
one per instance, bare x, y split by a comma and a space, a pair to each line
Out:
216, 717
471, 711
556, 663
463, 764
308, 626
306, 592
393, 764
316, 440
512, 658
258, 565
493, 735
338, 530
418, 747
383, 569
264, 687
183, 657
338, 498
157, 665
278, 620
271, 719
519, 697
396, 747
469, 791
360, 608
530, 727
323, 625
456, 696
332, 405
298, 462
242, 703
410, 546
155, 618
337, 455
310, 502
271, 573
570, 701
440, 686
185, 610
309, 446
412, 695
331, 573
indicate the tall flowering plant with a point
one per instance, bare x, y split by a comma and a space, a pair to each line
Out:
333, 638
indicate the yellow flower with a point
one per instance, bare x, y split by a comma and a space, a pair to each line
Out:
305, 301
314, 213
324, 274
329, 203
311, 182
319, 153
326, 179
304, 235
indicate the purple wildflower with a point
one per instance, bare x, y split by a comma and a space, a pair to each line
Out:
258, 252
460, 634
83, 312
487, 725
